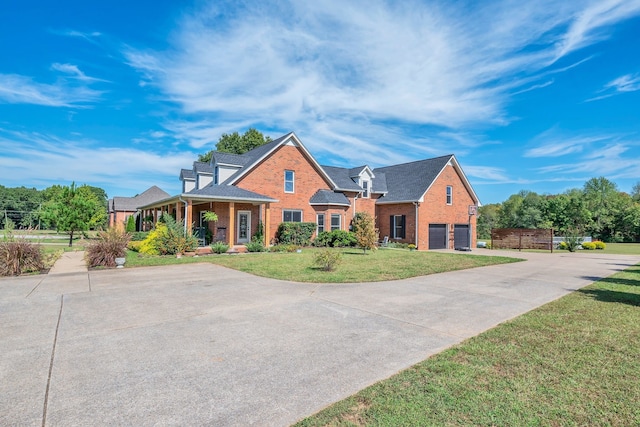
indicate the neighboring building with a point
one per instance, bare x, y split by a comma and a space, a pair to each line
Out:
426, 202
121, 208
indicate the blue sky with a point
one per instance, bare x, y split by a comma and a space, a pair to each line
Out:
539, 95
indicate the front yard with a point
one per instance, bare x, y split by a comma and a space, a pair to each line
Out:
383, 264
571, 362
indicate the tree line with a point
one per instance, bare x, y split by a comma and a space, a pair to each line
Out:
67, 209
598, 209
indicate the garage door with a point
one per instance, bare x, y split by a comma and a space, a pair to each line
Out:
437, 236
461, 236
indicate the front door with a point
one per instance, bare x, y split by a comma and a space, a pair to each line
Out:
244, 226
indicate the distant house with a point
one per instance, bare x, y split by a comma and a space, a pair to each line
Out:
426, 202
121, 208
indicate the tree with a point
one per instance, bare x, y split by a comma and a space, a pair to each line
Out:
237, 144
599, 194
635, 192
487, 219
74, 209
365, 230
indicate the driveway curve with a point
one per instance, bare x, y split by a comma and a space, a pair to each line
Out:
200, 344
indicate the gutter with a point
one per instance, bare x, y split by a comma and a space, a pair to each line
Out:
417, 205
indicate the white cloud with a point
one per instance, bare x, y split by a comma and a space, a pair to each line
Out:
18, 89
44, 160
622, 84
335, 71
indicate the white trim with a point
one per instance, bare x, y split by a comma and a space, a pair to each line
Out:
293, 181
324, 223
288, 139
449, 195
331, 221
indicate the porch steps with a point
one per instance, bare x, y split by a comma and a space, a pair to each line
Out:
237, 249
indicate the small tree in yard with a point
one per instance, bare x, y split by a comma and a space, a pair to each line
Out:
74, 209
111, 244
365, 231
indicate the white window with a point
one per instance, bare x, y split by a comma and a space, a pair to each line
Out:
336, 220
290, 215
365, 189
320, 222
288, 181
449, 194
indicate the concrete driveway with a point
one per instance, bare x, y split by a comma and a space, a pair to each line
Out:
203, 345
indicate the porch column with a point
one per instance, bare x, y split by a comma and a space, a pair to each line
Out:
178, 212
232, 223
267, 221
189, 220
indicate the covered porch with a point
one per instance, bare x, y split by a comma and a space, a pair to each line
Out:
240, 213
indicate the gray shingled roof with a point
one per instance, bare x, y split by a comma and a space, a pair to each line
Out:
328, 197
255, 154
202, 167
229, 159
150, 195
229, 192
409, 181
187, 174
379, 185
341, 177
353, 172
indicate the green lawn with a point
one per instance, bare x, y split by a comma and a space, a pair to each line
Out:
384, 264
623, 248
573, 362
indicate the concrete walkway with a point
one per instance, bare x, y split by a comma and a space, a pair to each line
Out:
200, 344
70, 262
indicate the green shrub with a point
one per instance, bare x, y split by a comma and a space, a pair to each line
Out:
134, 245
219, 247
130, 226
139, 236
19, 256
327, 259
295, 233
168, 238
284, 248
255, 246
336, 239
258, 236
572, 239
589, 246
562, 245
111, 244
600, 245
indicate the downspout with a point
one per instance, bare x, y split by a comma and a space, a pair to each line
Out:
417, 205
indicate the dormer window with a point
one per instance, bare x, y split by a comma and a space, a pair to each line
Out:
365, 189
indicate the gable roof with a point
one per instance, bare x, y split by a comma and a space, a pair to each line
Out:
228, 159
150, 195
202, 167
328, 197
408, 182
342, 178
187, 174
257, 155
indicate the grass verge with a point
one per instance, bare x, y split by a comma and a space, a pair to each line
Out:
384, 264
571, 362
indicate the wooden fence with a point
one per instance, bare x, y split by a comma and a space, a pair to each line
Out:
522, 238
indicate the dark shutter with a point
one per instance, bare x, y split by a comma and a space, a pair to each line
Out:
404, 227
392, 227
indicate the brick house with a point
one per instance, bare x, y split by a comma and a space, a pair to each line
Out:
426, 202
121, 208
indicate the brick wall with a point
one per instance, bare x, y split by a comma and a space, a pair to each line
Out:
268, 179
434, 209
